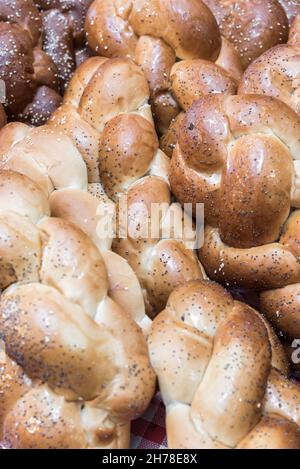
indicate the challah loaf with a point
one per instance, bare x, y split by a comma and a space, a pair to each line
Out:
251, 26
75, 368
106, 122
155, 34
276, 72
222, 374
239, 155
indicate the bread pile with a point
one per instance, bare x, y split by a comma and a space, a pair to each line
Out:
107, 115
183, 102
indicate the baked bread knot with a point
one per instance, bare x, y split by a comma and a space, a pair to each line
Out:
239, 155
74, 366
276, 72
252, 27
155, 34
222, 373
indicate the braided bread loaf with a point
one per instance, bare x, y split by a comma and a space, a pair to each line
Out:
239, 155
276, 72
251, 26
222, 373
155, 34
75, 368
106, 122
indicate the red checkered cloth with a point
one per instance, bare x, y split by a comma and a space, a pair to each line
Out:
149, 432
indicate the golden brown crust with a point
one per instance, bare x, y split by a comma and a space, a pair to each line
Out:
275, 73
156, 59
207, 348
189, 81
45, 421
103, 97
13, 384
229, 59
188, 27
268, 266
192, 79
137, 140
156, 34
169, 139
281, 307
160, 264
272, 433
252, 27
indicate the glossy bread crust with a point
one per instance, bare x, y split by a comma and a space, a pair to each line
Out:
252, 27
